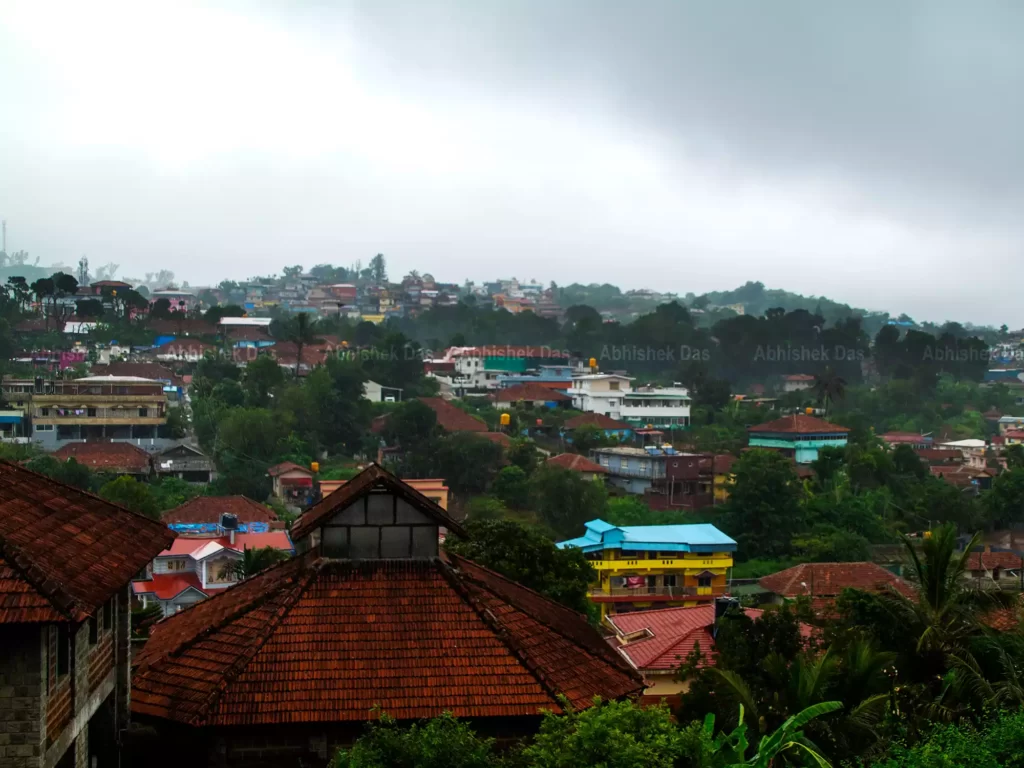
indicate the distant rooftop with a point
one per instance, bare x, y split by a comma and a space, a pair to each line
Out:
701, 537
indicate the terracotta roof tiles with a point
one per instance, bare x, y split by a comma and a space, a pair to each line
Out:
451, 418
576, 463
800, 423
208, 509
327, 641
830, 579
64, 552
598, 420
530, 392
106, 457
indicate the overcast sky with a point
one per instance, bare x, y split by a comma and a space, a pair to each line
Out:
869, 151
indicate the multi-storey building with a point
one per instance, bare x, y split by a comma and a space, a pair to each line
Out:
667, 478
655, 566
798, 436
477, 368
66, 560
600, 393
657, 407
122, 408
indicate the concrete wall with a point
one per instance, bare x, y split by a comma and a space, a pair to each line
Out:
22, 695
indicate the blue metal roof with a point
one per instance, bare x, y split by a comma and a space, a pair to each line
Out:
702, 537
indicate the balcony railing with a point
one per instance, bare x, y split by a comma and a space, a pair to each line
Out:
668, 592
659, 563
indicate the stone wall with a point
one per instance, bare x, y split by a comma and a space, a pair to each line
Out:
22, 695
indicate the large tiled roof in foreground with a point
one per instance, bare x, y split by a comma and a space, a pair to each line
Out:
317, 641
64, 552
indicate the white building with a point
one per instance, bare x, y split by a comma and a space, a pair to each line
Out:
797, 382
657, 407
600, 393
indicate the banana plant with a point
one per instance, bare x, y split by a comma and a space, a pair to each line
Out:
730, 750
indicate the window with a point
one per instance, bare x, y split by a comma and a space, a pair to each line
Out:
63, 650
44, 427
108, 614
44, 411
91, 413
613, 385
178, 564
143, 412
670, 581
94, 630
703, 581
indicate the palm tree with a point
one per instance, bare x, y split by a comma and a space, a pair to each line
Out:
302, 332
829, 387
255, 560
730, 751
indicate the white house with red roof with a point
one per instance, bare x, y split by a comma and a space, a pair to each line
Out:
194, 568
797, 382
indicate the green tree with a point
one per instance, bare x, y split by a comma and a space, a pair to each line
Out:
442, 742
411, 424
262, 376
1004, 502
565, 500
69, 472
587, 437
302, 331
512, 486
378, 270
523, 453
616, 734
764, 510
528, 557
131, 494
256, 559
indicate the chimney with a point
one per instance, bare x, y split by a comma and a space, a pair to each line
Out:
231, 536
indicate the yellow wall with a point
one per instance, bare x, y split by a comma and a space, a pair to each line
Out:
433, 488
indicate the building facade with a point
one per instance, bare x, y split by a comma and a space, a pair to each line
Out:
655, 566
66, 559
600, 393
798, 436
657, 407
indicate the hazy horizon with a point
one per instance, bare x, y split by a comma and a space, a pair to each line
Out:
868, 153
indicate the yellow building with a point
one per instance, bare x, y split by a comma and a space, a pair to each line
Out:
655, 566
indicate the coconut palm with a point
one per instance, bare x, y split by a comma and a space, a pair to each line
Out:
829, 386
302, 331
255, 560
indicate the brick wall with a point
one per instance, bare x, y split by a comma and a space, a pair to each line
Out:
22, 695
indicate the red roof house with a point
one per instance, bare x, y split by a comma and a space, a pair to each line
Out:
531, 393
116, 458
824, 582
800, 423
370, 616
598, 420
66, 560
450, 418
208, 509
577, 463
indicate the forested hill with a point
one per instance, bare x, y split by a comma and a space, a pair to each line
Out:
756, 300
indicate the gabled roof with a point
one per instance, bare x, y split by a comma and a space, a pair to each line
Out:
414, 637
451, 418
106, 457
700, 537
801, 424
530, 391
987, 561
576, 463
671, 635
153, 371
598, 420
373, 477
64, 552
208, 509
167, 586
288, 466
199, 547
499, 438
830, 579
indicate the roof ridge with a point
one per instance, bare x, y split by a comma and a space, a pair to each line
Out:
597, 650
87, 494
452, 575
251, 649
243, 608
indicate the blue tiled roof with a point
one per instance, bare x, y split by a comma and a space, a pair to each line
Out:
600, 535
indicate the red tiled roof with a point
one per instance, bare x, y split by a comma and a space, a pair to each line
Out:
106, 457
903, 437
167, 586
530, 392
1014, 434
799, 377
451, 418
154, 371
362, 484
959, 475
248, 333
64, 552
598, 420
576, 463
499, 438
208, 509
193, 326
288, 466
320, 641
674, 633
978, 561
940, 454
799, 423
830, 579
